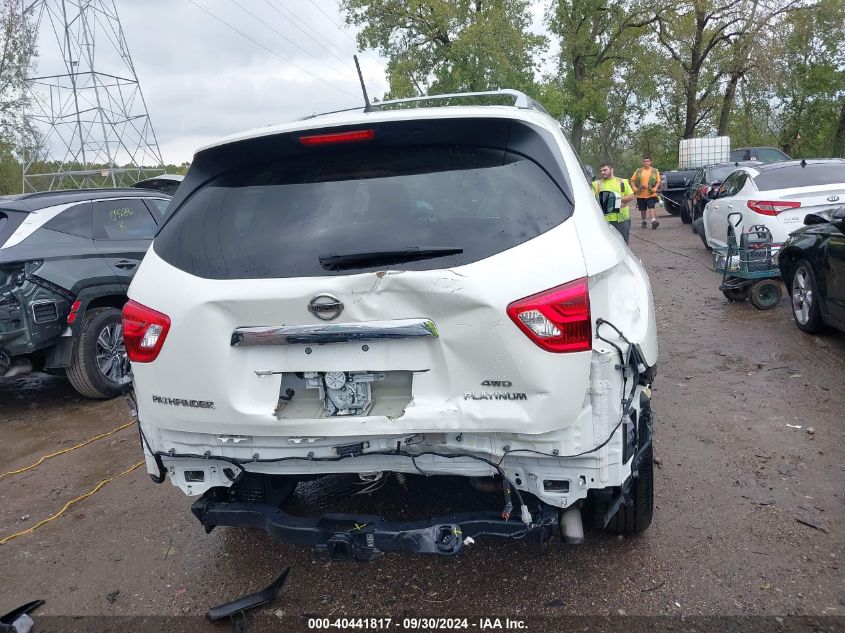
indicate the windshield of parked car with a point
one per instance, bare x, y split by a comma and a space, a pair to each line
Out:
798, 176
279, 219
718, 174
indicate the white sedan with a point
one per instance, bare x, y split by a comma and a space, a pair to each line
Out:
776, 196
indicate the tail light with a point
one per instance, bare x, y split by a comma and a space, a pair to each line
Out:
334, 138
772, 207
557, 320
144, 331
74, 312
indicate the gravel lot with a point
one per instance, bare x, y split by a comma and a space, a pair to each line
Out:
749, 517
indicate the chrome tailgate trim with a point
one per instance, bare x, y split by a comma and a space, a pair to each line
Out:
333, 332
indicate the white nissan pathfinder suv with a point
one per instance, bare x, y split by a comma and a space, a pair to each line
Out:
413, 287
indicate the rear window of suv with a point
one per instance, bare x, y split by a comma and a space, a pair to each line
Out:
280, 219
797, 176
762, 154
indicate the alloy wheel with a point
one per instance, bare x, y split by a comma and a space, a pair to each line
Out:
802, 295
111, 352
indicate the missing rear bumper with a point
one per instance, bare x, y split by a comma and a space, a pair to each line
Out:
365, 537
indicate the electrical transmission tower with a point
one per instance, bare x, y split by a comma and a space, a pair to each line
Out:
93, 128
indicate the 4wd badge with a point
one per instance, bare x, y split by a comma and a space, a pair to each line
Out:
496, 383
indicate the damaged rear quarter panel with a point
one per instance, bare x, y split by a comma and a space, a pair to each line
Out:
47, 267
622, 296
19, 332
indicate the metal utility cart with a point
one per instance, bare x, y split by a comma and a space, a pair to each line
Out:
749, 265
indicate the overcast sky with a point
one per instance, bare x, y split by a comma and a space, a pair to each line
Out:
202, 79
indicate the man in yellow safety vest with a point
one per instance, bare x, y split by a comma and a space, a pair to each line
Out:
645, 181
614, 194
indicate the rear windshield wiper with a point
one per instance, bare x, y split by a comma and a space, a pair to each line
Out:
363, 259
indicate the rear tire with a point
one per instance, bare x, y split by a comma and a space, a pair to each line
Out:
765, 294
101, 328
685, 216
636, 517
804, 299
693, 218
699, 228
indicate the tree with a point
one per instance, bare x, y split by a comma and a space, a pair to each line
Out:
442, 46
10, 171
812, 93
17, 59
754, 118
596, 38
838, 148
755, 38
693, 33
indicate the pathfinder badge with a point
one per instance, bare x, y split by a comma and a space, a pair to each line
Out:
181, 402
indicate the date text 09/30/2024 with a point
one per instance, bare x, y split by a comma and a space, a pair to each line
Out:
417, 624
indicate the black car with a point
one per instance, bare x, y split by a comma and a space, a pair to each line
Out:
673, 186
761, 154
703, 186
812, 263
66, 260
168, 183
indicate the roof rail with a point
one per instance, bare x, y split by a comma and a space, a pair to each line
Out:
65, 192
521, 100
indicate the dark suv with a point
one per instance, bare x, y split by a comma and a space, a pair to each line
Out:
761, 154
66, 260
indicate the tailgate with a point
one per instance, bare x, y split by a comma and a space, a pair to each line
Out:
473, 370
408, 221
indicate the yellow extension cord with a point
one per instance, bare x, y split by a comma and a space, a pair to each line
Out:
6, 539
63, 451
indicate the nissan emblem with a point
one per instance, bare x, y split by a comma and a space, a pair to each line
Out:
325, 307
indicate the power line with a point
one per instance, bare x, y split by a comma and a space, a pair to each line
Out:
285, 37
273, 6
320, 9
269, 50
339, 27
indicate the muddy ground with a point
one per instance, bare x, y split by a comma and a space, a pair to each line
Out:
737, 485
